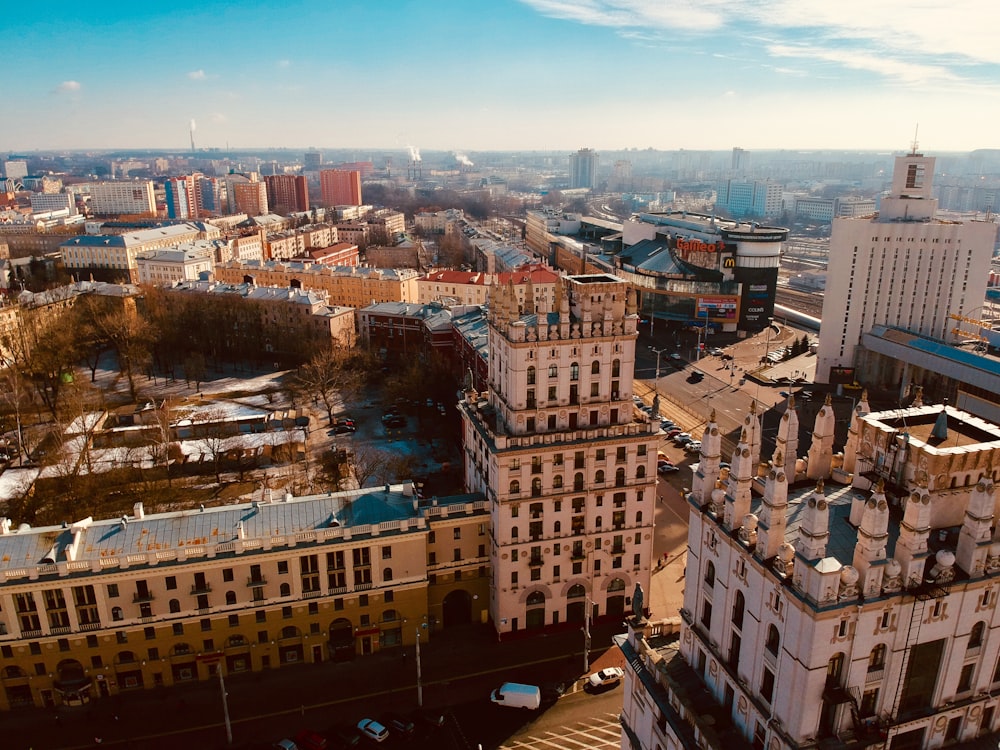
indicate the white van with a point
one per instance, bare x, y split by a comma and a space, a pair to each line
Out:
516, 695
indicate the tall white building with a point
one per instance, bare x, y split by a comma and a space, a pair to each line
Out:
903, 268
569, 471
857, 616
583, 169
122, 198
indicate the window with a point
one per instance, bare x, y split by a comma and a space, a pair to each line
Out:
387, 552
773, 639
710, 574
171, 582
515, 487
767, 685
574, 371
739, 607
876, 659
174, 605
227, 574
965, 678
976, 636
112, 590
282, 566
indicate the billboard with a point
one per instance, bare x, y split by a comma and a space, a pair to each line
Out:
841, 375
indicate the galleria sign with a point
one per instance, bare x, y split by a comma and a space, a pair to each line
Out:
697, 246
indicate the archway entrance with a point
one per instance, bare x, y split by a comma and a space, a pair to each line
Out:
341, 640
535, 614
615, 604
457, 608
72, 683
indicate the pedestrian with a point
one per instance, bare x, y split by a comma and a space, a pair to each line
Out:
97, 740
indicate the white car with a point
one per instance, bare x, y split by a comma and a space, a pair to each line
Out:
607, 676
693, 447
675, 355
373, 730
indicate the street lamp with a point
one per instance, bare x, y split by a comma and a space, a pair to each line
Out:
767, 339
420, 687
225, 706
586, 637
656, 381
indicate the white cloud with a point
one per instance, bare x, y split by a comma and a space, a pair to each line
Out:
284, 63
218, 118
907, 41
68, 87
197, 75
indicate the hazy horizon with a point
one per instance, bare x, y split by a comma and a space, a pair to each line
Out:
513, 75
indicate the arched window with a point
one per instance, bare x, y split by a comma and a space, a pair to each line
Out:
576, 591
638, 517
574, 371
876, 659
290, 631
387, 574
531, 376
620, 478
513, 532
389, 615
976, 636
536, 487
599, 476
617, 585
174, 605
739, 607
535, 598
557, 482
515, 487
553, 371
125, 657
595, 368
12, 672
578, 482
616, 368
710, 573
236, 640
640, 472
116, 614
230, 597
773, 639
285, 590
557, 527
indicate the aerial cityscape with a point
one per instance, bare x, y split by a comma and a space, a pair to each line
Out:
358, 386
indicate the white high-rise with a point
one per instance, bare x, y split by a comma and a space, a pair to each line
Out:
903, 268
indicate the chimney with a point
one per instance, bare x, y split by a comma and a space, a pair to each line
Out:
138, 512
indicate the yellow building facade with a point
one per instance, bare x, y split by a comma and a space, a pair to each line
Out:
94, 608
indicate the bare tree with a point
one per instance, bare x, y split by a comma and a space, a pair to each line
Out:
331, 372
369, 462
213, 430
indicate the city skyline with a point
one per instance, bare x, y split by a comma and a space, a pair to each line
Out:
521, 75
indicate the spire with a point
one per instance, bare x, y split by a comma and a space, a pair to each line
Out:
814, 529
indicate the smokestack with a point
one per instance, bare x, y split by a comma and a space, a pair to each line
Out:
193, 125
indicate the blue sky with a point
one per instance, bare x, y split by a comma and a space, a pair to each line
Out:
472, 75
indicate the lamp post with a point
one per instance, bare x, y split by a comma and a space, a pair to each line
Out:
656, 381
767, 339
586, 637
420, 686
225, 706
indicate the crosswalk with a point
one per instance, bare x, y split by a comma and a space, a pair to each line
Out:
601, 732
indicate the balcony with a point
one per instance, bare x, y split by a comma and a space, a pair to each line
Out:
143, 597
261, 581
31, 633
201, 588
535, 560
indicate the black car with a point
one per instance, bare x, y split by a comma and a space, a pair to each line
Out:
399, 724
345, 736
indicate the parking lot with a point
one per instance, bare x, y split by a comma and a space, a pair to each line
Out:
602, 732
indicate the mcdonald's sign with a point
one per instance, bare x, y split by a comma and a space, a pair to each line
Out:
729, 262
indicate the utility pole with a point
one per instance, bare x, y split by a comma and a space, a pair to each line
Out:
420, 686
586, 637
656, 381
225, 705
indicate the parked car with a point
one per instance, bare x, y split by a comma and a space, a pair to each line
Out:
667, 424
674, 432
310, 740
433, 719
285, 745
373, 730
345, 736
675, 356
607, 676
343, 429
693, 447
783, 394
666, 468
681, 438
400, 724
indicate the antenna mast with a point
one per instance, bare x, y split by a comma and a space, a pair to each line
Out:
916, 129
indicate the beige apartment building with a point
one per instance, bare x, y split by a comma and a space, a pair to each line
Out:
95, 608
475, 288
351, 286
566, 464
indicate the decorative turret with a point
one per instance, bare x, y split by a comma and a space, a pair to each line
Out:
976, 538
873, 534
854, 433
772, 522
814, 530
529, 297
787, 441
911, 546
741, 472
821, 450
708, 460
